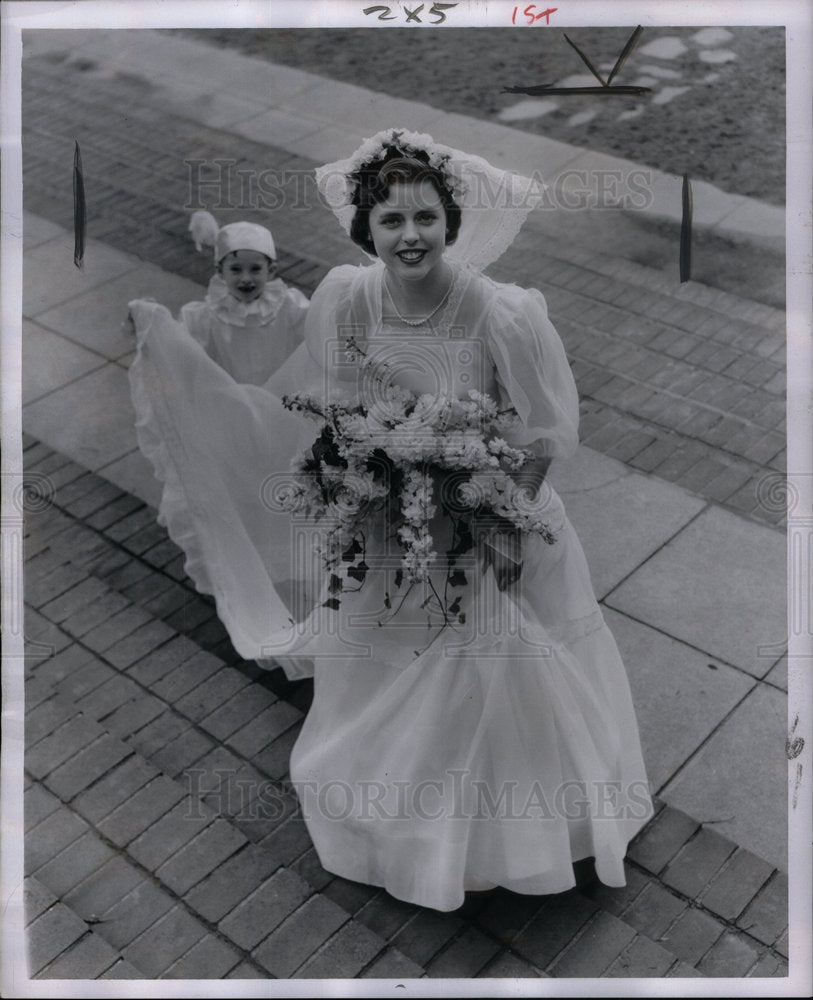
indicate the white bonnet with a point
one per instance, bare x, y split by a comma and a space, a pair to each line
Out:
235, 236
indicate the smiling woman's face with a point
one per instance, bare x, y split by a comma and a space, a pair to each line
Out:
408, 229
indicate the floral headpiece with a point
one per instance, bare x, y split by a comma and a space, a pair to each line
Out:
495, 202
374, 150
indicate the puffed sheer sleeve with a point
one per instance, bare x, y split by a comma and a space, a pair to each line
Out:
330, 318
327, 320
533, 372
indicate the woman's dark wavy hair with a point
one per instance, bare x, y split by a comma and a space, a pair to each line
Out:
373, 183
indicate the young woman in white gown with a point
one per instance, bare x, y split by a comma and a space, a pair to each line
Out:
459, 738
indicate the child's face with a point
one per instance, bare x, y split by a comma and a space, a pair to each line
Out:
245, 273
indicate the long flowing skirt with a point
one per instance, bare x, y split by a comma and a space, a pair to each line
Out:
460, 737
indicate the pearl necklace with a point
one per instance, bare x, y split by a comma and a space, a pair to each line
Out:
417, 322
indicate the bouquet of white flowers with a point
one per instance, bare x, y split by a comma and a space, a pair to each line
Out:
394, 452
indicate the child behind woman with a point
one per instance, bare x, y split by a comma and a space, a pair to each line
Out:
249, 321
186, 373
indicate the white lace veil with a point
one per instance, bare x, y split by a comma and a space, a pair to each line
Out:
494, 202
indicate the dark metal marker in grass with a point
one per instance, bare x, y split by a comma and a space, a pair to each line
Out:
79, 212
686, 232
633, 38
586, 61
545, 89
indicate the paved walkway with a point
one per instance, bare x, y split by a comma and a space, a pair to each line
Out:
138, 707
163, 840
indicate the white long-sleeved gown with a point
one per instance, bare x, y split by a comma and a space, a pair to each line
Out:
494, 746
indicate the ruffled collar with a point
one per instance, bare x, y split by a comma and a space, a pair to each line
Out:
230, 310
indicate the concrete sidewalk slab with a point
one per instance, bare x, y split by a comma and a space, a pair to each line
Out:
746, 752
95, 318
186, 61
621, 517
778, 674
254, 79
506, 147
708, 207
336, 138
50, 361
286, 128
680, 694
51, 277
359, 109
756, 219
37, 230
216, 110
707, 588
90, 420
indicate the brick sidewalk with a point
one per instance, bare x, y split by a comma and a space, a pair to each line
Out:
685, 382
146, 857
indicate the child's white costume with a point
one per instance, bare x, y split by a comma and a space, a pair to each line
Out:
248, 340
187, 376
